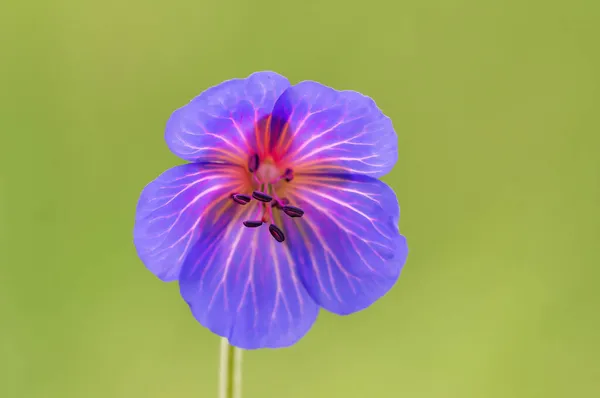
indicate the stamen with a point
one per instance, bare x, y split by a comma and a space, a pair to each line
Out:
253, 224
276, 233
268, 215
278, 202
263, 197
253, 163
288, 175
241, 199
266, 180
293, 211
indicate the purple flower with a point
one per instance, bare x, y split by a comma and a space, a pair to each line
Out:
279, 212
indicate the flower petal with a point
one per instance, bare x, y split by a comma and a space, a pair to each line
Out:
348, 246
324, 130
243, 285
223, 124
173, 209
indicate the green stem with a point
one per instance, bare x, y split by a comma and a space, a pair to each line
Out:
230, 371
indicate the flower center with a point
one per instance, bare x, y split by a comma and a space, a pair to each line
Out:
267, 171
266, 177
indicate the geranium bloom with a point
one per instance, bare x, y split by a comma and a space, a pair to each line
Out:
279, 213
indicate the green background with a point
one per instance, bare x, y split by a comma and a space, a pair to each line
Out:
496, 108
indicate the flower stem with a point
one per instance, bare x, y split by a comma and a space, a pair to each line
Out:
230, 371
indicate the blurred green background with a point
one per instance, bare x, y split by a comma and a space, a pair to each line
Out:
496, 107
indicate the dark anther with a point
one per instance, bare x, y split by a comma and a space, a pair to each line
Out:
253, 163
263, 197
240, 198
293, 211
253, 224
276, 233
288, 175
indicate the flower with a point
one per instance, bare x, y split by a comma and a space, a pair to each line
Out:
280, 212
